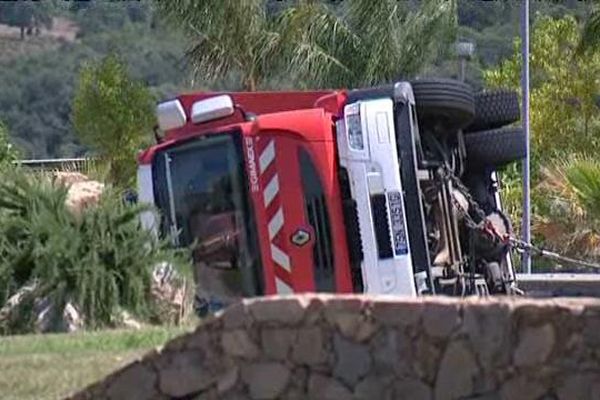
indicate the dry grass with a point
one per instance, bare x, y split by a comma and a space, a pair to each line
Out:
53, 366
11, 45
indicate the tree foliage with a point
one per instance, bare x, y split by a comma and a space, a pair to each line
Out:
366, 43
37, 89
114, 115
565, 127
564, 112
569, 205
101, 16
8, 153
590, 37
101, 260
492, 25
312, 42
232, 36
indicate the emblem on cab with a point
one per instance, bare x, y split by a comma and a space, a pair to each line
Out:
300, 237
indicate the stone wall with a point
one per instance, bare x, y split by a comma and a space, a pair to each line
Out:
355, 347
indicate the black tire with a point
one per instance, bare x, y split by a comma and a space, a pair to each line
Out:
443, 105
494, 109
496, 147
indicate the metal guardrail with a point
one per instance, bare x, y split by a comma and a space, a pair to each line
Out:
560, 284
57, 164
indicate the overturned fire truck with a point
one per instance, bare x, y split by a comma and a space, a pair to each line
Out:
386, 190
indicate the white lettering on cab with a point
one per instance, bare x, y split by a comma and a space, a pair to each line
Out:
252, 173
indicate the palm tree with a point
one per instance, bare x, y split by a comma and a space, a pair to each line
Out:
570, 193
231, 36
316, 43
367, 43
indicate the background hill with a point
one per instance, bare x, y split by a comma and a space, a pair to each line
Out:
38, 72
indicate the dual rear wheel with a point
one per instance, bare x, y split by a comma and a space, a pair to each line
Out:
445, 106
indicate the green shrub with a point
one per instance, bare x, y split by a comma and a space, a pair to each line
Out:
8, 154
114, 115
569, 203
100, 260
584, 178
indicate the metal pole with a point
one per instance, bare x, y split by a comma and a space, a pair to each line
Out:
463, 67
526, 233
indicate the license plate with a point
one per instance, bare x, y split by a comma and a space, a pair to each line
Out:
398, 225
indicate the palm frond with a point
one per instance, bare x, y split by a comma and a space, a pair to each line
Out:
361, 42
226, 36
584, 178
590, 36
571, 201
210, 58
101, 260
317, 45
370, 42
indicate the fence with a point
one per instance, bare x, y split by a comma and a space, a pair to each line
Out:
58, 164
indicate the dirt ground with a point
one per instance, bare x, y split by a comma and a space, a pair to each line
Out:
11, 45
62, 29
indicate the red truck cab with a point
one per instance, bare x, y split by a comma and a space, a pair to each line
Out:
273, 160
371, 190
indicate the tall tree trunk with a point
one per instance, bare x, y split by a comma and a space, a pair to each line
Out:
250, 83
250, 86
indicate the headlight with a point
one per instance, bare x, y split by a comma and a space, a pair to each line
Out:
170, 115
353, 127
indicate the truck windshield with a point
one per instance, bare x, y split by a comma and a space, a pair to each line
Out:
202, 192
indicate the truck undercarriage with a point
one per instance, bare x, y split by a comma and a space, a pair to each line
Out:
381, 190
454, 219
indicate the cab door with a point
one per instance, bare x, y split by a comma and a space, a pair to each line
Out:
293, 184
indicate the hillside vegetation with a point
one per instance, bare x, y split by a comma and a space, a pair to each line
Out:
13, 47
38, 73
